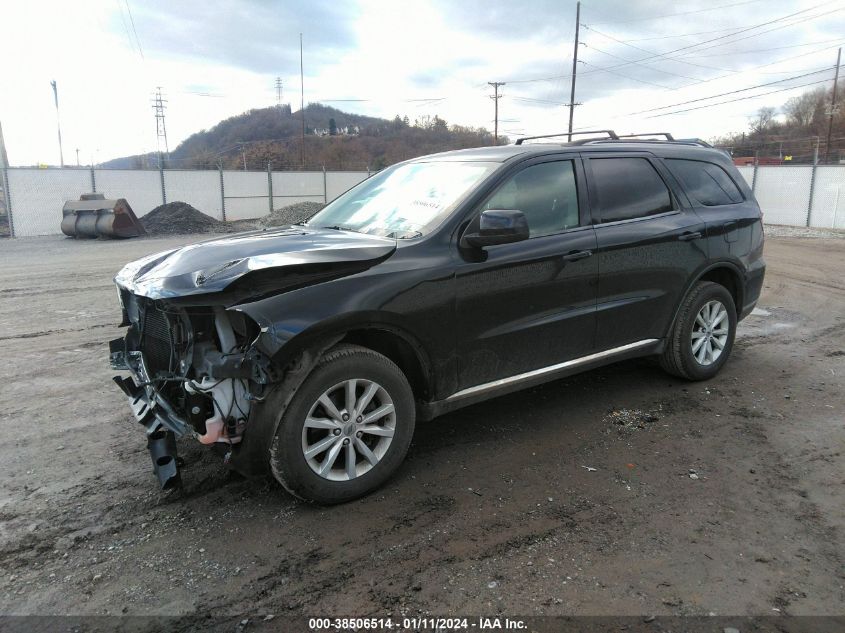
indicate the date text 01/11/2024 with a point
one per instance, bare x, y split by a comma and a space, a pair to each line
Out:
415, 624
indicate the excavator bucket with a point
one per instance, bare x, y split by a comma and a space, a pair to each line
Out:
93, 216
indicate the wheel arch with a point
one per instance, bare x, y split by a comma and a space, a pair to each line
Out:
724, 273
375, 331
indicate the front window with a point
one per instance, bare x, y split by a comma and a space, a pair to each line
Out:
405, 201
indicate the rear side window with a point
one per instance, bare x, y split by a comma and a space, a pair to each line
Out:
706, 182
628, 188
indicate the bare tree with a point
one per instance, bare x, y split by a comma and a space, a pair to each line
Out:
801, 110
763, 121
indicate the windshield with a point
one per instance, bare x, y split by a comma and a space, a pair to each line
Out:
405, 201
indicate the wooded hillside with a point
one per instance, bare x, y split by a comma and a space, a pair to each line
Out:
795, 129
334, 139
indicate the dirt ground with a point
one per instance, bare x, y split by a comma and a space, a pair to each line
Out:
620, 491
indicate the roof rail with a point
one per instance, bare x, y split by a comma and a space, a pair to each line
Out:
610, 134
668, 136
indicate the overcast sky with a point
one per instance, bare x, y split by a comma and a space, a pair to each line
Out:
385, 57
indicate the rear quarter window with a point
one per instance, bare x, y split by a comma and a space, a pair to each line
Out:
707, 183
628, 188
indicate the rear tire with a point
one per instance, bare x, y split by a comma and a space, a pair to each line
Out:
346, 430
702, 336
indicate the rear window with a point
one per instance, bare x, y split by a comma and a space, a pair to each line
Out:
709, 184
628, 188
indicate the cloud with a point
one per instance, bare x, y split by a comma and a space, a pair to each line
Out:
255, 35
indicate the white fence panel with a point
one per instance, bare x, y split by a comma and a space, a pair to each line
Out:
338, 182
247, 194
829, 197
747, 172
784, 193
142, 189
297, 186
38, 195
200, 189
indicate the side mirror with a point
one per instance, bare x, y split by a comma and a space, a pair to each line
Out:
496, 226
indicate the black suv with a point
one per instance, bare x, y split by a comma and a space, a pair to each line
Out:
310, 351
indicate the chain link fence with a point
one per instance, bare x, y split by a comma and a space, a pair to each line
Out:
794, 195
799, 195
34, 196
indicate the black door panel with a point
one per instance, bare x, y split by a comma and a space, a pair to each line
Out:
644, 266
531, 304
526, 306
645, 263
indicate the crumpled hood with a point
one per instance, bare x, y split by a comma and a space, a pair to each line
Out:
211, 266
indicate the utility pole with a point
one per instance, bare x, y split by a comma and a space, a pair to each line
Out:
301, 104
161, 130
832, 107
574, 68
495, 97
77, 157
243, 151
58, 122
278, 92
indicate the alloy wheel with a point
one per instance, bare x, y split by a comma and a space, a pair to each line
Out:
348, 429
710, 332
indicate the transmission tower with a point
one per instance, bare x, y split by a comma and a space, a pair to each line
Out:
161, 130
278, 92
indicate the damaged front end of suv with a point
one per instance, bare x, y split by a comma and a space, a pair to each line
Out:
199, 353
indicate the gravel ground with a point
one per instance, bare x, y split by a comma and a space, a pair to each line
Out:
291, 214
179, 218
620, 491
776, 230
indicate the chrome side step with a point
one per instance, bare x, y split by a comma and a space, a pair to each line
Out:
535, 373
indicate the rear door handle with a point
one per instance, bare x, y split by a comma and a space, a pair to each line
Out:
576, 255
689, 237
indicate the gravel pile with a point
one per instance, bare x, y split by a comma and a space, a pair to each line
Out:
179, 217
775, 230
291, 214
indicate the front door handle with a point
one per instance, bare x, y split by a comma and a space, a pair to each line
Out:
690, 236
576, 255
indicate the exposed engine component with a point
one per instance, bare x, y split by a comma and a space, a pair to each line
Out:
228, 395
194, 372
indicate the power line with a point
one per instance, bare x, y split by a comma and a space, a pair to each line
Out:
612, 72
670, 37
132, 21
777, 28
724, 94
672, 15
125, 26
774, 48
666, 72
682, 48
763, 94
659, 55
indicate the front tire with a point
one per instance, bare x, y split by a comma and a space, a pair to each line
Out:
702, 336
346, 430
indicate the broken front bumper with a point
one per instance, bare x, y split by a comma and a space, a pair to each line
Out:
161, 422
